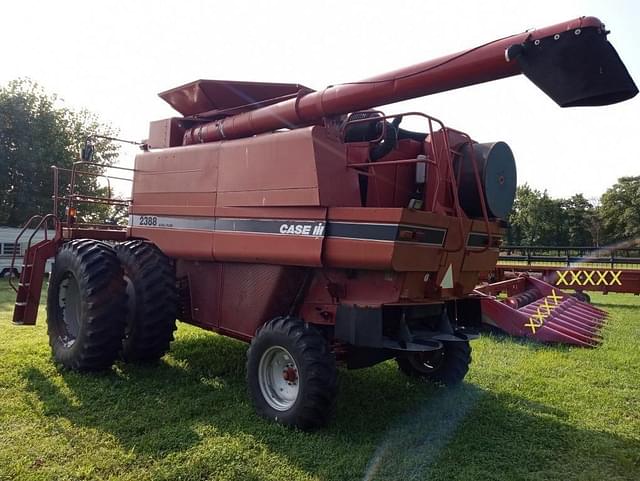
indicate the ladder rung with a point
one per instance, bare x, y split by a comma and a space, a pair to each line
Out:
21, 304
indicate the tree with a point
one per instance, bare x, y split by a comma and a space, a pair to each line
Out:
35, 133
579, 218
620, 210
537, 219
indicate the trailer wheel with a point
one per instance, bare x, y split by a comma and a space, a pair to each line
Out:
447, 366
86, 306
582, 296
291, 374
153, 301
9, 273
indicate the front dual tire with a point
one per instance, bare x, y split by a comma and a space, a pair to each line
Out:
86, 306
107, 303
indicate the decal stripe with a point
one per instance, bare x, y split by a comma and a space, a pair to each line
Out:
479, 239
339, 229
383, 232
269, 226
225, 224
427, 235
187, 223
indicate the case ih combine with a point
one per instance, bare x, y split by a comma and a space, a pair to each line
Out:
308, 224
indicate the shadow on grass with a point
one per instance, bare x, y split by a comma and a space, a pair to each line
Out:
199, 390
387, 427
622, 307
500, 337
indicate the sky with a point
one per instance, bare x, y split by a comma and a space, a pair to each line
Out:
114, 57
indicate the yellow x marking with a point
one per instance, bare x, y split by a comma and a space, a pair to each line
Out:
602, 278
562, 277
588, 277
537, 320
547, 306
575, 277
554, 297
615, 278
533, 325
539, 316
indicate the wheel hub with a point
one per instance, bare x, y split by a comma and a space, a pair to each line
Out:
428, 362
278, 378
290, 375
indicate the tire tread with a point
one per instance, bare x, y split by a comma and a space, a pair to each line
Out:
315, 361
154, 281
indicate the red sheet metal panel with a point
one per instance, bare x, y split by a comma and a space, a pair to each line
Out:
217, 97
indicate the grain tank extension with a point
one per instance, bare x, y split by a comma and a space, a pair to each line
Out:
309, 224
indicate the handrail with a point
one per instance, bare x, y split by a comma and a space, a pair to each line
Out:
379, 116
74, 197
432, 158
570, 254
43, 221
479, 188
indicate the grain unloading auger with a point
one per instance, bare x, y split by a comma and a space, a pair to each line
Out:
309, 225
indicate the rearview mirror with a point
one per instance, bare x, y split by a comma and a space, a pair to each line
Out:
87, 151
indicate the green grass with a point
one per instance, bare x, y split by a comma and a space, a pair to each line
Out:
527, 412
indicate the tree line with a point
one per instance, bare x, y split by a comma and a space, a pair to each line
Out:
539, 220
37, 131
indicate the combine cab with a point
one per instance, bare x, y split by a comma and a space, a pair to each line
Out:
308, 224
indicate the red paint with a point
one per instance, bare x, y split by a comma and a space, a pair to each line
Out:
460, 69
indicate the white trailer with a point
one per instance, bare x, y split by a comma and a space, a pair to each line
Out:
8, 247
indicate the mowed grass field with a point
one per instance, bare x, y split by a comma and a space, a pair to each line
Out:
525, 412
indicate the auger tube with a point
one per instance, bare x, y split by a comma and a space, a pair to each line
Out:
494, 60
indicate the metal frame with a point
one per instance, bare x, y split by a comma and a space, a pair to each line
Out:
43, 222
434, 159
74, 198
569, 256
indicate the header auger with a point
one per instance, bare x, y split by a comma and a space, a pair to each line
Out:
309, 224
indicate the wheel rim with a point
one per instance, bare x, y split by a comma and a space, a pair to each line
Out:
428, 362
278, 378
69, 300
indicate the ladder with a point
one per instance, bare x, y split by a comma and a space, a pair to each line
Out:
32, 273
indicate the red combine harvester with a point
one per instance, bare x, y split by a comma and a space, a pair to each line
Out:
308, 224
